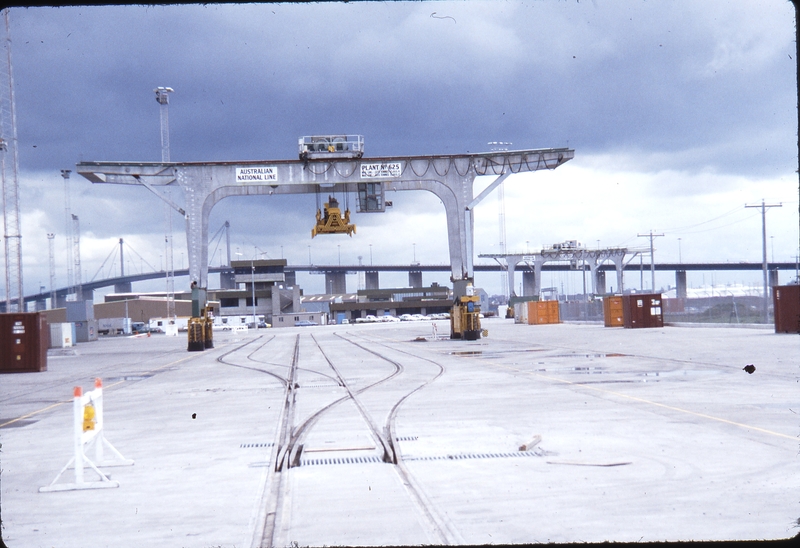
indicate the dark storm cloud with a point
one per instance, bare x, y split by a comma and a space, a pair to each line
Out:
694, 87
251, 79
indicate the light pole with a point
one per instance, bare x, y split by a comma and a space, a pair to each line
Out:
679, 251
339, 250
370, 254
772, 245
253, 286
162, 98
253, 282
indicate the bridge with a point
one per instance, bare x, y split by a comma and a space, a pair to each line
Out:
341, 270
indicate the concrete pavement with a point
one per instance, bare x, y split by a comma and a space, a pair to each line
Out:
646, 434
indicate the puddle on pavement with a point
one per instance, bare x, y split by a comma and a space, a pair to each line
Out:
493, 353
608, 355
129, 378
678, 373
639, 376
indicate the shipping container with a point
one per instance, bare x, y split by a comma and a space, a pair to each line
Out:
786, 299
642, 310
543, 312
79, 311
24, 340
612, 311
62, 335
521, 312
86, 331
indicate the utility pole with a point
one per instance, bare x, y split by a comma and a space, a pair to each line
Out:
162, 97
652, 260
764, 207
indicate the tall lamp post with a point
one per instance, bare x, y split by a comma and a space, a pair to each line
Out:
253, 285
162, 97
253, 288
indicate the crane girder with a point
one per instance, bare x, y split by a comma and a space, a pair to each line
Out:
449, 177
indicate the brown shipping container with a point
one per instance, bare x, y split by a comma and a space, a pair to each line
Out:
786, 299
24, 340
612, 311
642, 310
542, 312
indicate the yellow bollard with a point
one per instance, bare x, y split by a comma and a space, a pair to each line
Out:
88, 417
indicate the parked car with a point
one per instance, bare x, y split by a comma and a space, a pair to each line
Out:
261, 325
406, 318
388, 318
304, 323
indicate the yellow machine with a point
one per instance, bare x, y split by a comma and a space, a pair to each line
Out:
201, 334
465, 321
201, 324
196, 328
332, 221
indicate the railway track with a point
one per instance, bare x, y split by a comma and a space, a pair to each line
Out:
377, 392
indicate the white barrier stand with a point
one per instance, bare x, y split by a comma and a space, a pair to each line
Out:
88, 427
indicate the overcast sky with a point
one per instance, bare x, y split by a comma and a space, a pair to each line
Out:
680, 113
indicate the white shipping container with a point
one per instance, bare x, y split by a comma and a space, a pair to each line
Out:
62, 335
521, 312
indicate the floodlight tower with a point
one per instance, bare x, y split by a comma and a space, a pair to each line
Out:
9, 160
162, 97
51, 248
501, 203
68, 213
228, 241
76, 224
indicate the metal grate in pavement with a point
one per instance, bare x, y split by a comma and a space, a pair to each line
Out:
467, 456
339, 460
